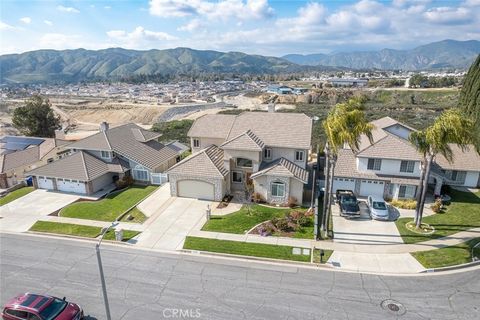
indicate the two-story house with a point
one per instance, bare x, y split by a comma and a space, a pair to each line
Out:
267, 151
97, 161
391, 166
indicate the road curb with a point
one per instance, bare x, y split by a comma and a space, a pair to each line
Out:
455, 267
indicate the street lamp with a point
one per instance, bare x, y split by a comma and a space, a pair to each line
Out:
100, 268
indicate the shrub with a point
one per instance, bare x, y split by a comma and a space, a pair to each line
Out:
295, 215
404, 204
437, 206
283, 225
304, 221
126, 181
292, 202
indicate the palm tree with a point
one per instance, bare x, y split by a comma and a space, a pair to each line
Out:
451, 127
345, 124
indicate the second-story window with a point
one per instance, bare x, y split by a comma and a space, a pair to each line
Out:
299, 155
407, 166
196, 143
105, 154
374, 164
267, 154
244, 163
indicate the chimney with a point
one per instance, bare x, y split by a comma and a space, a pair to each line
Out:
103, 126
271, 107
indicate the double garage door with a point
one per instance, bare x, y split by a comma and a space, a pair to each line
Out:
73, 186
371, 187
343, 184
196, 189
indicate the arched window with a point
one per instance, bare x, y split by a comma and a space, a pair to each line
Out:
278, 189
139, 173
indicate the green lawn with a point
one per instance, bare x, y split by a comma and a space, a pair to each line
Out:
243, 249
78, 230
110, 208
326, 256
242, 220
138, 216
15, 195
449, 256
462, 214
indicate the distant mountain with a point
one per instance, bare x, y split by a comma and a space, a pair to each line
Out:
115, 63
442, 54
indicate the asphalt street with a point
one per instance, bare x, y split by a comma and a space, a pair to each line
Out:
152, 285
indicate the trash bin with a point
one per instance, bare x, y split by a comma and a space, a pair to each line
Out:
118, 234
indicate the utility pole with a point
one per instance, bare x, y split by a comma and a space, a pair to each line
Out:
100, 268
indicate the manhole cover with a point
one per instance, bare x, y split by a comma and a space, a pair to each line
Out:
393, 307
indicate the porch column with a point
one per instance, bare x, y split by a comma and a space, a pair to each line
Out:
438, 186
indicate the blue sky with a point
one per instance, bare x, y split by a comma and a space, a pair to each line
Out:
267, 27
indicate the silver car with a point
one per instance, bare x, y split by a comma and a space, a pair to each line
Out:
378, 208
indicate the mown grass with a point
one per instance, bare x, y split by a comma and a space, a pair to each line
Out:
138, 216
449, 256
326, 256
462, 214
244, 249
15, 195
110, 208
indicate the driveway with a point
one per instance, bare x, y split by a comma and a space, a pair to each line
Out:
20, 214
171, 219
365, 230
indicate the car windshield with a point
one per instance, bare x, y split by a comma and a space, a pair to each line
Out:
349, 201
53, 309
379, 206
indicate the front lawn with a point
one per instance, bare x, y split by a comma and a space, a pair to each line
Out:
138, 216
462, 214
78, 230
244, 249
449, 256
111, 207
15, 195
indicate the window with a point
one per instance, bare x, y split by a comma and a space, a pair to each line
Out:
278, 189
406, 191
299, 155
267, 154
407, 166
196, 143
140, 174
17, 313
237, 176
458, 176
53, 309
105, 154
244, 163
374, 164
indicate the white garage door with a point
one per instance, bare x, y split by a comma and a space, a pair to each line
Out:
343, 184
73, 186
371, 187
195, 189
45, 183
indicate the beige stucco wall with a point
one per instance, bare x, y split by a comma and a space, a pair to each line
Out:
219, 184
296, 190
293, 188
205, 142
288, 154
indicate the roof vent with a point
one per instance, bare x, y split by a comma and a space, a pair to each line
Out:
104, 126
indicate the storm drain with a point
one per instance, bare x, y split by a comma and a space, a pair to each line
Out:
393, 307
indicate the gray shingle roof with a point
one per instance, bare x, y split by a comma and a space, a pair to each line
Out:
206, 163
245, 141
19, 158
282, 167
212, 126
391, 147
467, 161
78, 166
144, 135
123, 141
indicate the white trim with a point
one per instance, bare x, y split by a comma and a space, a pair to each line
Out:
299, 152
279, 183
236, 163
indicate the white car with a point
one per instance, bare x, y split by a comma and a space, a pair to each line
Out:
378, 208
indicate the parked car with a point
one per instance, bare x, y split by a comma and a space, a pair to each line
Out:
348, 204
40, 307
378, 208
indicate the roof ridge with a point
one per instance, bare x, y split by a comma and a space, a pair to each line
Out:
108, 141
371, 144
84, 164
192, 156
208, 156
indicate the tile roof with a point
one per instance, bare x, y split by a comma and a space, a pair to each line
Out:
282, 167
245, 141
391, 147
79, 166
467, 161
144, 135
206, 163
19, 158
124, 141
276, 129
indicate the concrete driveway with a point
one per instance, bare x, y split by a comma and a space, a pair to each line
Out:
20, 214
365, 230
171, 219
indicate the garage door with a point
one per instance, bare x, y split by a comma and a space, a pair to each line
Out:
45, 183
195, 189
343, 184
371, 187
73, 186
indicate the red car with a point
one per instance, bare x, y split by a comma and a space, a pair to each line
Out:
31, 306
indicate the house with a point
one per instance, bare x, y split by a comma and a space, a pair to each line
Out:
279, 89
344, 82
97, 161
391, 166
264, 150
21, 154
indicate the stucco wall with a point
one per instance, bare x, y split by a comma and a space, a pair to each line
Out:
388, 166
472, 179
102, 181
288, 154
296, 190
205, 142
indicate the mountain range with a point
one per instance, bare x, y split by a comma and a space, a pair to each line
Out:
442, 54
47, 66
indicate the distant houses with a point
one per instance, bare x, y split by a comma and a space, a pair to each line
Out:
277, 89
344, 82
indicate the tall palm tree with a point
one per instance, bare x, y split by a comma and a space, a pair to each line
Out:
345, 124
451, 127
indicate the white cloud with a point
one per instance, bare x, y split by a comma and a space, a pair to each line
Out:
107, 7
449, 15
26, 20
48, 22
67, 9
139, 37
193, 25
60, 41
5, 26
222, 9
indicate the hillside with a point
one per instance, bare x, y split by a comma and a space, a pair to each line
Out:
442, 54
115, 63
